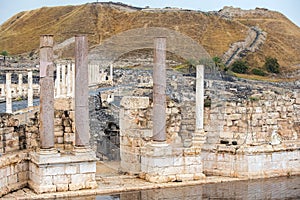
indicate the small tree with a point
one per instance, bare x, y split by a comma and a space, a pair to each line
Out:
240, 66
219, 63
272, 65
191, 63
4, 54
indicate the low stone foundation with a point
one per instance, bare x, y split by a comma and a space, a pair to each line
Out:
252, 161
163, 163
13, 172
58, 172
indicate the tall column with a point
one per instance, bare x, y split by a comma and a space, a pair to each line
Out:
199, 97
82, 135
58, 91
20, 85
159, 90
47, 92
63, 80
73, 80
69, 79
199, 135
8, 93
30, 90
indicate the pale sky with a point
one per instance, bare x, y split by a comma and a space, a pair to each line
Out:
289, 8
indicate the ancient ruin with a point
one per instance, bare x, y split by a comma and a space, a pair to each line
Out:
160, 125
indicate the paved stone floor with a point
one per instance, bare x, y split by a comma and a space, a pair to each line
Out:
110, 181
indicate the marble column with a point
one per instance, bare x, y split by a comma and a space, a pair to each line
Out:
199, 136
58, 85
20, 85
8, 93
82, 135
47, 92
73, 80
30, 90
69, 79
63, 80
159, 90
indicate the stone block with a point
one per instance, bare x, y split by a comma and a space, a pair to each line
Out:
89, 167
69, 137
59, 134
52, 170
71, 169
23, 176
184, 177
63, 104
131, 102
62, 187
61, 179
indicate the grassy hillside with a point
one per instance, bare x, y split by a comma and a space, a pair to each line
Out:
213, 31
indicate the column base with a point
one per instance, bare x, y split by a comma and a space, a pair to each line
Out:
199, 138
56, 172
162, 163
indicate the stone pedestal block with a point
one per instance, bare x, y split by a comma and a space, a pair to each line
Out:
54, 172
161, 163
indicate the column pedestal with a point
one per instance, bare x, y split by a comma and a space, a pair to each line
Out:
199, 139
50, 171
161, 163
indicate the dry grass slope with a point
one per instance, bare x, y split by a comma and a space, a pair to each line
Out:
100, 21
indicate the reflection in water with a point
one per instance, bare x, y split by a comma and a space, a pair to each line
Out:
274, 188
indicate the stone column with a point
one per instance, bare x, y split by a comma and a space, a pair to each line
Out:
63, 80
58, 80
47, 92
29, 90
69, 79
20, 85
82, 135
199, 137
159, 90
8, 93
73, 80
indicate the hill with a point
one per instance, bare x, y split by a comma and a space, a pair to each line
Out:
215, 31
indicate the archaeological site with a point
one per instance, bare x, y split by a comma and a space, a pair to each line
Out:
133, 103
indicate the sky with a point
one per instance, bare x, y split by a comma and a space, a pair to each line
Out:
290, 8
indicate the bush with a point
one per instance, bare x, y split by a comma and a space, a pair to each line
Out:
240, 67
271, 64
258, 72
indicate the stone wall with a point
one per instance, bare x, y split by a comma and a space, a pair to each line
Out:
13, 171
239, 114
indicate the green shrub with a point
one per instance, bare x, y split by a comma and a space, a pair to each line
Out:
272, 65
258, 72
240, 66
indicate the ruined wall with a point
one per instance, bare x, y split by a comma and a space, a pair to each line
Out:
240, 117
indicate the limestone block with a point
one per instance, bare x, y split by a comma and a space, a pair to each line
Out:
63, 104
184, 177
131, 102
58, 128
52, 170
23, 176
59, 134
69, 137
61, 179
12, 179
88, 167
59, 140
62, 187
58, 121
68, 129
6, 130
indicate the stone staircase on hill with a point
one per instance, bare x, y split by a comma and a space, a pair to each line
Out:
255, 38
